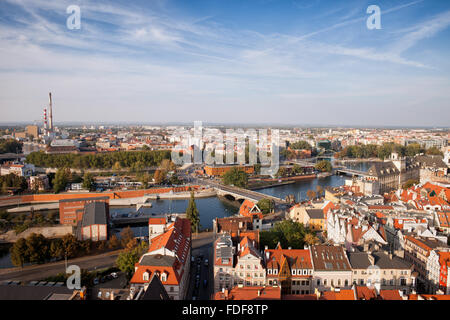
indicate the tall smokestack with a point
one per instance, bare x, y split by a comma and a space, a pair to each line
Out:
50, 115
45, 120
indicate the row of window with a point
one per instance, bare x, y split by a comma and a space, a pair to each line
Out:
295, 272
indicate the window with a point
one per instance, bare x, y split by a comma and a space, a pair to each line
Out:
318, 282
294, 272
145, 276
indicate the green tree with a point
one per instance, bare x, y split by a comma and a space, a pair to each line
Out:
434, 151
56, 249
70, 245
37, 248
324, 166
19, 253
192, 214
300, 145
10, 146
236, 177
127, 260
88, 181
265, 205
62, 178
287, 232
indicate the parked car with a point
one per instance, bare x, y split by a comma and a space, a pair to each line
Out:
206, 262
114, 275
96, 281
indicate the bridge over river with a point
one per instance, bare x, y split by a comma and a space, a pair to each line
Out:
239, 194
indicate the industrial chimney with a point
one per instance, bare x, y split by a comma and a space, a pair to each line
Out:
50, 115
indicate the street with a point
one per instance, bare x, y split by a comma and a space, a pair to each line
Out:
202, 249
39, 272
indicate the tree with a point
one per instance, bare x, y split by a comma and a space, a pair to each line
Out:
167, 165
62, 178
311, 239
411, 182
238, 178
37, 248
287, 232
56, 249
324, 166
319, 191
282, 172
192, 214
10, 146
159, 176
88, 181
265, 205
300, 145
70, 245
19, 253
127, 260
113, 242
126, 236
311, 194
434, 151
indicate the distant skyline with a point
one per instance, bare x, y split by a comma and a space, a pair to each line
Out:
262, 61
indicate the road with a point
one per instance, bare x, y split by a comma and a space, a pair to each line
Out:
202, 246
39, 272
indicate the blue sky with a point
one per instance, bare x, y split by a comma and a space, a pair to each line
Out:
259, 61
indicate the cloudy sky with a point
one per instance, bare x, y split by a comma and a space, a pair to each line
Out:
241, 61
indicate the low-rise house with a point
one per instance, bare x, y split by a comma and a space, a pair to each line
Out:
168, 258
291, 269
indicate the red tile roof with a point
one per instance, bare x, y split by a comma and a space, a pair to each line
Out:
390, 295
338, 295
250, 209
250, 293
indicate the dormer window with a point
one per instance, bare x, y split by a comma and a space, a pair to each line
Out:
275, 271
164, 277
294, 272
145, 276
269, 271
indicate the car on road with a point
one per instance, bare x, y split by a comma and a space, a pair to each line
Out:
114, 275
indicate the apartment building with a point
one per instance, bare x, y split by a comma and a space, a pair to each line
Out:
387, 271
331, 268
168, 258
